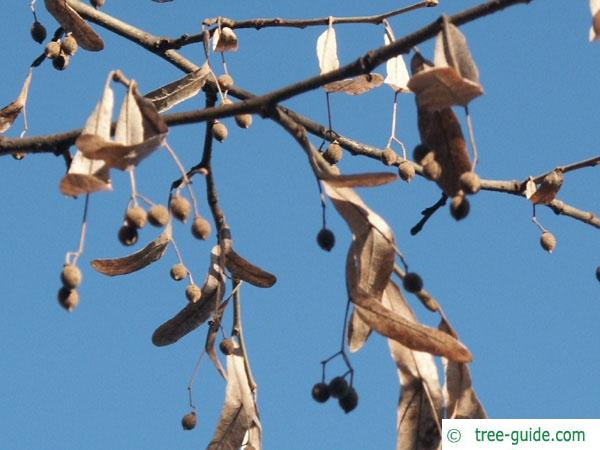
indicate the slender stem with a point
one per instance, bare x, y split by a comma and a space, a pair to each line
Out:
134, 194
535, 220
238, 330
193, 379
82, 236
427, 213
186, 180
472, 139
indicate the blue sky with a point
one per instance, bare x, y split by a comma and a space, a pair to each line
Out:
93, 380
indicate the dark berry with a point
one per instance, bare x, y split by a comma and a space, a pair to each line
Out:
188, 422
338, 387
419, 152
128, 235
38, 32
349, 401
412, 282
227, 346
326, 239
459, 208
320, 392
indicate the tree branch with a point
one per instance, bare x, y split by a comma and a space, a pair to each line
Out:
279, 22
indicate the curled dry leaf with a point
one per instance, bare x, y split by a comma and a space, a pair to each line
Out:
455, 78
239, 421
360, 179
461, 399
358, 331
140, 130
195, 314
595, 28
420, 405
138, 260
209, 347
396, 71
440, 131
241, 269
355, 86
224, 40
327, 51
547, 190
409, 333
10, 112
86, 175
72, 22
169, 95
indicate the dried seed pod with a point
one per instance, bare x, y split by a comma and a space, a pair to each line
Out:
52, 49
227, 346
320, 392
61, 62
69, 45
68, 298
432, 170
470, 183
389, 156
38, 32
180, 207
136, 216
178, 272
128, 235
459, 207
243, 120
412, 282
338, 387
334, 153
193, 293
70, 276
406, 171
188, 422
219, 131
548, 241
419, 153
326, 239
201, 228
158, 216
225, 82
349, 401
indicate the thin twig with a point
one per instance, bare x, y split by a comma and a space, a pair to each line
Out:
427, 213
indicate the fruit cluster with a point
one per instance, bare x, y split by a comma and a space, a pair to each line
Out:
338, 388
68, 297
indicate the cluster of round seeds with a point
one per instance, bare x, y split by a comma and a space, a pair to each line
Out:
188, 422
326, 239
68, 297
338, 388
61, 51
